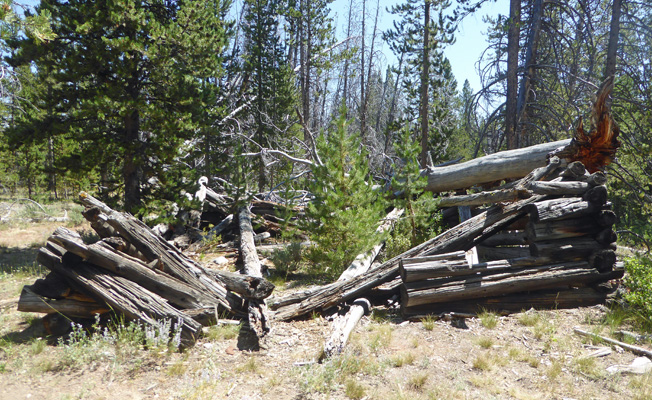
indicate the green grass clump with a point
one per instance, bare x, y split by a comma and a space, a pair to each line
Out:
428, 323
488, 319
223, 332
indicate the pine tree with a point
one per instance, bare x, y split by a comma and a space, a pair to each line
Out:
345, 211
134, 82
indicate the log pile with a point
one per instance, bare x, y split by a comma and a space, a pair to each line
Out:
564, 241
134, 272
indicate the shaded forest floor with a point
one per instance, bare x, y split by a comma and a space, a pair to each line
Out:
531, 355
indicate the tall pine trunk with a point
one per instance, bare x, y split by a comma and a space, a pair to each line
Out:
513, 35
425, 79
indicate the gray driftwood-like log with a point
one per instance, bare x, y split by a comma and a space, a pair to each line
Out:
597, 179
257, 317
363, 262
559, 229
74, 308
559, 188
566, 249
249, 287
561, 208
574, 171
120, 294
535, 278
634, 349
511, 164
252, 265
513, 303
447, 264
343, 326
461, 237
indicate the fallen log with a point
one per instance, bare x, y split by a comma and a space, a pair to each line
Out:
559, 229
502, 252
506, 238
257, 318
73, 308
343, 326
510, 164
562, 208
551, 299
566, 249
569, 188
634, 349
536, 278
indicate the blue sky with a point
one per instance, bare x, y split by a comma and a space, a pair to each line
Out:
463, 55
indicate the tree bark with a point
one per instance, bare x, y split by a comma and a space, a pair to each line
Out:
513, 36
425, 83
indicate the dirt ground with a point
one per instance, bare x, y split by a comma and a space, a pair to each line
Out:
530, 355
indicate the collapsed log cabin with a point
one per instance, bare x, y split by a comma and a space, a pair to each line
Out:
544, 240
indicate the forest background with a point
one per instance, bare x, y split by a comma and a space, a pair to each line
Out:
135, 100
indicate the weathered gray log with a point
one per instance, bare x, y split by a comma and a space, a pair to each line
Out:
257, 318
536, 278
363, 261
506, 238
566, 249
418, 268
219, 228
515, 191
562, 208
574, 171
559, 229
461, 237
162, 254
249, 287
509, 164
554, 299
597, 179
502, 252
476, 199
120, 294
559, 188
252, 265
343, 326
257, 238
74, 308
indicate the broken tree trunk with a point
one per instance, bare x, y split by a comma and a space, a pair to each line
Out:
343, 326
595, 150
363, 262
256, 309
511, 164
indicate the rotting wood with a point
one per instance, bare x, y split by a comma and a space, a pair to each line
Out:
163, 255
510, 164
558, 229
343, 326
565, 249
561, 208
535, 278
506, 238
502, 252
570, 188
596, 195
554, 299
257, 317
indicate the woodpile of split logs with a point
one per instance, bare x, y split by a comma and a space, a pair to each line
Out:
133, 272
